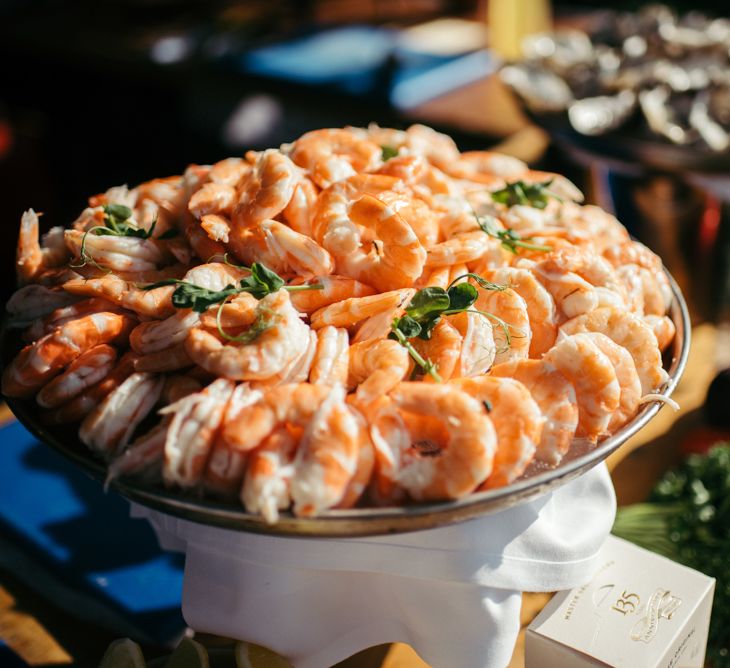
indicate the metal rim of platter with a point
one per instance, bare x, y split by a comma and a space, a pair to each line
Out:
373, 520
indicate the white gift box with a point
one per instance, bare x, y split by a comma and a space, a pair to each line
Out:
453, 593
641, 609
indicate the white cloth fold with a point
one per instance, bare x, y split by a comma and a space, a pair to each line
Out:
452, 593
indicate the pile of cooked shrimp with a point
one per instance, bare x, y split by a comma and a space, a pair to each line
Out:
365, 316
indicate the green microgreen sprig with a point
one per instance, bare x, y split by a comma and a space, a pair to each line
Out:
265, 320
388, 152
427, 308
117, 223
527, 194
261, 282
509, 239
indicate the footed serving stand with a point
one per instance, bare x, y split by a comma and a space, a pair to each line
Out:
453, 593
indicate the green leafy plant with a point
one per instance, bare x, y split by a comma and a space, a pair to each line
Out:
687, 519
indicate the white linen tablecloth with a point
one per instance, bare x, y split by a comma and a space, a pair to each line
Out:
452, 593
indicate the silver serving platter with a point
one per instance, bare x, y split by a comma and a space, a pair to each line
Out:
371, 521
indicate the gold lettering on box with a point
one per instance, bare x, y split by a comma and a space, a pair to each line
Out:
661, 605
627, 603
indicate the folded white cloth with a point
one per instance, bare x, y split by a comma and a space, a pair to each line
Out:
452, 593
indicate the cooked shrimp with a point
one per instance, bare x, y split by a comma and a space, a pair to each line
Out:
350, 311
234, 316
559, 184
269, 471
379, 325
334, 289
282, 339
169, 359
573, 295
632, 252
198, 237
391, 439
297, 371
541, 309
478, 348
155, 303
645, 289
332, 155
299, 212
178, 386
82, 404
143, 458
663, 329
157, 335
86, 370
298, 252
423, 221
65, 314
487, 167
591, 267
597, 389
293, 404
555, 396
266, 191
225, 469
217, 198
443, 349
36, 364
465, 461
394, 258
332, 224
230, 171
423, 178
441, 277
376, 367
465, 247
29, 258
192, 431
217, 227
32, 302
328, 455
629, 331
331, 361
439, 149
117, 253
628, 378
109, 427
513, 334
517, 421
162, 200
363, 469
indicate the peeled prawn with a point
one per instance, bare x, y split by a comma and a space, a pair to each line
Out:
555, 396
36, 364
629, 331
465, 461
517, 421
